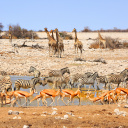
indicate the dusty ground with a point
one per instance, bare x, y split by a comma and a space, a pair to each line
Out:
99, 116
85, 116
19, 63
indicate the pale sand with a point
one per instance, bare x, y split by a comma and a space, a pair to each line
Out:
19, 63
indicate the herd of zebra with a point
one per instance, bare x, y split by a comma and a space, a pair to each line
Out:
58, 78
62, 78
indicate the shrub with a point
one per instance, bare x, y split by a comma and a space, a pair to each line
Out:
5, 37
110, 43
86, 29
125, 44
66, 36
94, 45
18, 32
1, 27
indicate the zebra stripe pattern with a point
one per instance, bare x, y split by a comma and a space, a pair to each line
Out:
35, 72
27, 83
59, 73
5, 83
117, 79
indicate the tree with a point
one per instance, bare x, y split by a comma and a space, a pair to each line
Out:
16, 31
1, 27
86, 29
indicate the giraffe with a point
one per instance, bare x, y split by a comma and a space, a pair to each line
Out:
10, 34
52, 34
60, 44
101, 40
77, 44
10, 39
51, 43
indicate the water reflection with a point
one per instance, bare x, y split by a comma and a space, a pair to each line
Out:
84, 99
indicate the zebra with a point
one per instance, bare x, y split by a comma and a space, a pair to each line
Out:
5, 83
59, 73
101, 79
57, 81
117, 78
3, 73
74, 78
25, 84
36, 72
90, 80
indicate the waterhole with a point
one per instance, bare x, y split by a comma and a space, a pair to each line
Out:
84, 99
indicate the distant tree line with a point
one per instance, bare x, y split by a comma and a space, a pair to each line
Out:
18, 33
1, 27
87, 29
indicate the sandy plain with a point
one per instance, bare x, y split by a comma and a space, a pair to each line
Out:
18, 63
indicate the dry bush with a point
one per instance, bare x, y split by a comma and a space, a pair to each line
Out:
27, 38
125, 44
110, 43
5, 37
94, 45
66, 36
113, 43
86, 29
36, 37
14, 37
19, 33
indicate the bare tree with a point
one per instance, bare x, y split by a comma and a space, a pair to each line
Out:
1, 27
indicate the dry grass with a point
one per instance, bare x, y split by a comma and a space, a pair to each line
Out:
125, 44
94, 45
110, 43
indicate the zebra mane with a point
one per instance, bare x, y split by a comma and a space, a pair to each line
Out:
32, 69
123, 71
64, 68
35, 78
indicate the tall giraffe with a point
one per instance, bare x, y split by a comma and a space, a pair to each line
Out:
51, 43
60, 47
52, 34
101, 40
77, 44
10, 39
10, 34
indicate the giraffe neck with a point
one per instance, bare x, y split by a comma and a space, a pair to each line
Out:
57, 37
75, 36
49, 37
52, 35
100, 37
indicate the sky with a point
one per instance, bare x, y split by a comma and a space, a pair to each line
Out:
64, 14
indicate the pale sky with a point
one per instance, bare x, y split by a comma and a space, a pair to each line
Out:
64, 15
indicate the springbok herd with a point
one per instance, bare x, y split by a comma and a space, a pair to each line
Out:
61, 77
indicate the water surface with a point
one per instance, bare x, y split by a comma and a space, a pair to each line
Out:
84, 99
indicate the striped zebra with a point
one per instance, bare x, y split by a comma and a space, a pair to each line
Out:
117, 78
74, 78
25, 84
101, 79
3, 73
90, 80
57, 81
5, 83
35, 72
58, 73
